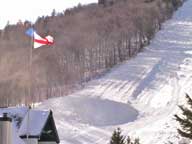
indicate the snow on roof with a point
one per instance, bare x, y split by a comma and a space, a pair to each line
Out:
15, 137
33, 123
15, 113
25, 122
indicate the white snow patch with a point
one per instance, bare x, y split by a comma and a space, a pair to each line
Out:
93, 111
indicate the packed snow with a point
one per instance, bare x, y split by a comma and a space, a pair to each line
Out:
94, 111
140, 95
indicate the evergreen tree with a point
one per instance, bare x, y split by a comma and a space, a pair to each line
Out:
136, 141
186, 120
129, 140
101, 2
53, 13
117, 137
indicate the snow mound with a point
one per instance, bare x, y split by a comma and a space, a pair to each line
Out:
92, 111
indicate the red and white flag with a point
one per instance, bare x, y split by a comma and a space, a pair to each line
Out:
38, 41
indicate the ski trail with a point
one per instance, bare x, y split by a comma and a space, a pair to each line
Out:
148, 79
153, 83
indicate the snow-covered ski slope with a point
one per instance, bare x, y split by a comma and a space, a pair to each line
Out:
140, 96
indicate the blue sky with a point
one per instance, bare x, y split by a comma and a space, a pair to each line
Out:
14, 10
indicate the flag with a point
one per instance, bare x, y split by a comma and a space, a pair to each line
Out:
30, 32
38, 41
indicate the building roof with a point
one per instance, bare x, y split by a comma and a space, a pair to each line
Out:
32, 123
14, 111
39, 124
16, 114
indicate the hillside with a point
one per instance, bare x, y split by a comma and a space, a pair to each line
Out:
89, 40
140, 95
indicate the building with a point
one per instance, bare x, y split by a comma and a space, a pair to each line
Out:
5, 129
32, 126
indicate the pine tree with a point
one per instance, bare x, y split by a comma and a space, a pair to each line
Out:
136, 141
117, 137
186, 120
129, 140
101, 2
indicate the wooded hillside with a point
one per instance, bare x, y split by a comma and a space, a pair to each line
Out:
89, 40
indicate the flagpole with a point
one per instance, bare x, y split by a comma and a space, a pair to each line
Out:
29, 99
39, 41
30, 70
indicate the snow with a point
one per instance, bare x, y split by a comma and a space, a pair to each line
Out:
21, 116
94, 111
19, 111
15, 137
14, 112
140, 95
33, 123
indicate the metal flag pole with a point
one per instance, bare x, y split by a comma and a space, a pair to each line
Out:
30, 70
30, 32
29, 100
